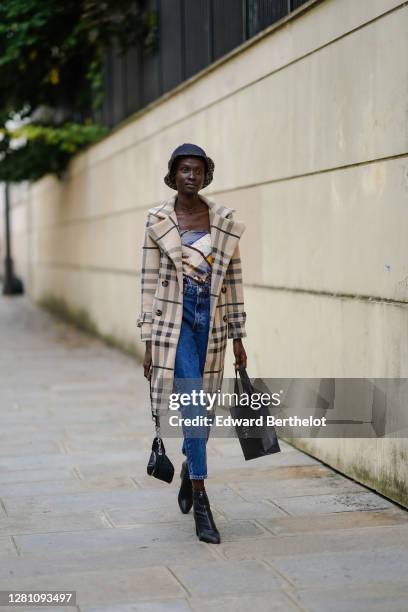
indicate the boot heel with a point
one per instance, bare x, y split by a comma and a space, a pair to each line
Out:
206, 529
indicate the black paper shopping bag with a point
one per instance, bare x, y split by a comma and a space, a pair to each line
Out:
257, 440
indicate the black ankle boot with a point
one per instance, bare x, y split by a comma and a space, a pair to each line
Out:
185, 496
205, 526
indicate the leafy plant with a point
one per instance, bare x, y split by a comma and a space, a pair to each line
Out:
51, 62
46, 149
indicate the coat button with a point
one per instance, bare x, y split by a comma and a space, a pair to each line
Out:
224, 289
158, 312
165, 283
225, 318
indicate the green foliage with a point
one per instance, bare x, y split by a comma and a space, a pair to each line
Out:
51, 56
33, 161
48, 149
69, 137
51, 51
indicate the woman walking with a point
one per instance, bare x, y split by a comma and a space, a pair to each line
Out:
191, 303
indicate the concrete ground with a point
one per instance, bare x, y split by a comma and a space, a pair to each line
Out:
78, 512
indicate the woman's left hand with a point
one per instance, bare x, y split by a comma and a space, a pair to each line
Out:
239, 352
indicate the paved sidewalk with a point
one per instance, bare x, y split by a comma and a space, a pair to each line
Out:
78, 512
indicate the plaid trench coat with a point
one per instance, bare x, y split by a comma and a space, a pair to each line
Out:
162, 295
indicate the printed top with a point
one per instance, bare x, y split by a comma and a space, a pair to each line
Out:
196, 255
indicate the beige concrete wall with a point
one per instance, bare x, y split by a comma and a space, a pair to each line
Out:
308, 128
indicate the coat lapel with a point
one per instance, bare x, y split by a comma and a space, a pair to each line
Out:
225, 234
166, 234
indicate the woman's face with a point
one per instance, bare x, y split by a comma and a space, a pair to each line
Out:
189, 174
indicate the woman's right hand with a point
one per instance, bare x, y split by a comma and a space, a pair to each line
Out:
147, 362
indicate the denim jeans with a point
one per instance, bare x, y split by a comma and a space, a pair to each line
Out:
189, 369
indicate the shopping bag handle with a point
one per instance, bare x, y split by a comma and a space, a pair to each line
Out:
247, 386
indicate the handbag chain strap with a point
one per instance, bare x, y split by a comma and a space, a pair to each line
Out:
155, 418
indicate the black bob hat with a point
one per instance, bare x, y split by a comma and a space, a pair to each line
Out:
187, 150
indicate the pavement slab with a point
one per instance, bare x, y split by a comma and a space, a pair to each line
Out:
270, 548
358, 567
269, 474
384, 597
7, 548
122, 538
242, 509
14, 462
232, 577
28, 448
28, 476
164, 605
332, 502
40, 608
48, 523
102, 500
80, 560
336, 521
75, 485
79, 512
272, 601
111, 586
325, 485
128, 517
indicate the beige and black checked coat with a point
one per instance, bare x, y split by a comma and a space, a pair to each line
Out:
162, 295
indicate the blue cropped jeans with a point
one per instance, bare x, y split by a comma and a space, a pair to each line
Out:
188, 374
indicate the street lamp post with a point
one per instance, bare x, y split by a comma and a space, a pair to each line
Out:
11, 284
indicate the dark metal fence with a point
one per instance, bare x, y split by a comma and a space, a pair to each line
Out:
191, 35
